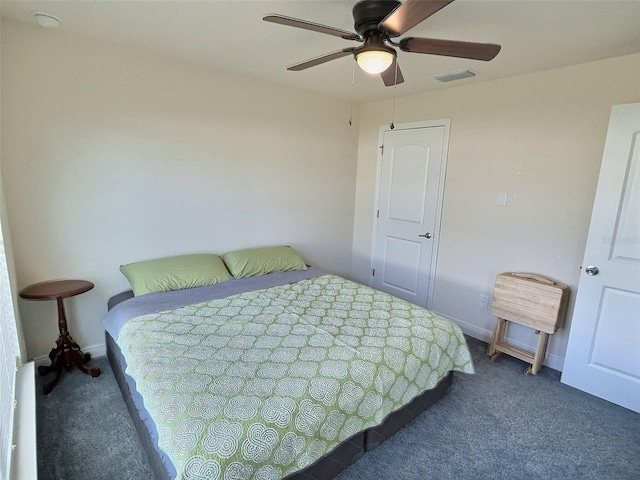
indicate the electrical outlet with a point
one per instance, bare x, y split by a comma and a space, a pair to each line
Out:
484, 301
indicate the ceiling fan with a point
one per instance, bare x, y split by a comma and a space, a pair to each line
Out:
377, 22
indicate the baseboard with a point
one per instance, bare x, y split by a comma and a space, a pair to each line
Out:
97, 351
551, 361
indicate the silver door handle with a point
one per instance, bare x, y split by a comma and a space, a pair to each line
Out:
426, 235
592, 270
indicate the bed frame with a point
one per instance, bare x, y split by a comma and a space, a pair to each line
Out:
324, 468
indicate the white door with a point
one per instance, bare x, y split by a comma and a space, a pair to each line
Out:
409, 202
603, 353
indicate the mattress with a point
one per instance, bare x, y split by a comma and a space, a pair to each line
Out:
302, 307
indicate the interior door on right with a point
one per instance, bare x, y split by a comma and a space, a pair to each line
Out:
603, 353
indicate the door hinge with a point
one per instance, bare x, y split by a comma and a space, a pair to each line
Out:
381, 147
378, 214
373, 272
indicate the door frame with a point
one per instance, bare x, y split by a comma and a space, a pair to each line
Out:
443, 122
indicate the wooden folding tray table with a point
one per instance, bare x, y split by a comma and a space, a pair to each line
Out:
529, 300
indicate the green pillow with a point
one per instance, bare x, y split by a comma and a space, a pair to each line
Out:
175, 273
258, 261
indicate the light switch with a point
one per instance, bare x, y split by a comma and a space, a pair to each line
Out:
502, 199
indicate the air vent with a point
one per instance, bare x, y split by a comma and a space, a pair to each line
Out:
455, 75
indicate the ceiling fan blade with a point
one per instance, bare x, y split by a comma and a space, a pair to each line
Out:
450, 48
327, 57
409, 14
390, 76
314, 27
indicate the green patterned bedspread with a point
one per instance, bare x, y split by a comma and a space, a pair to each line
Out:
262, 384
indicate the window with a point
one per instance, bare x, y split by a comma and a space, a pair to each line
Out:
9, 361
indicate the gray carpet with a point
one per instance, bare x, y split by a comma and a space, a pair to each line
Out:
496, 424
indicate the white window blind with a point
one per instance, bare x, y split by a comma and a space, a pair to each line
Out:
9, 360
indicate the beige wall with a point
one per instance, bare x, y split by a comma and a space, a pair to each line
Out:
111, 156
8, 250
538, 137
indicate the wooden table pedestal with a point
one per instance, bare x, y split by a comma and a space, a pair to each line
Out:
66, 353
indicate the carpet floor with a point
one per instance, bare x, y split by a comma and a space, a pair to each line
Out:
496, 424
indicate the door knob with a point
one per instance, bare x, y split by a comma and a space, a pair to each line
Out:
592, 270
426, 235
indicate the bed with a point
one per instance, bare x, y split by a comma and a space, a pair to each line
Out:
292, 374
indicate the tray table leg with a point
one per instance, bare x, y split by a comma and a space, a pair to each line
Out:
540, 352
498, 338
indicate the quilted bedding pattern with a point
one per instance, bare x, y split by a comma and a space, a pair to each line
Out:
262, 384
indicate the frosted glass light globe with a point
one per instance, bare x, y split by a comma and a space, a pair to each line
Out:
374, 61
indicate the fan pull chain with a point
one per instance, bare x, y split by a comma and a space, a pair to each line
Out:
395, 85
353, 83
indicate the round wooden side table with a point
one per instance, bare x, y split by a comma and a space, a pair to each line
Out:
66, 353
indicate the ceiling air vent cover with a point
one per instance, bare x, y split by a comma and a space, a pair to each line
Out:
455, 75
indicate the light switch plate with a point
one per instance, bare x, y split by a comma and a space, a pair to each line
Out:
502, 199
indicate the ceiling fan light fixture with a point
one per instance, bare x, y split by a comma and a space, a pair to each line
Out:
376, 23
374, 61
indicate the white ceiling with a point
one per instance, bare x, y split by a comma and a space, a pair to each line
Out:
231, 36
